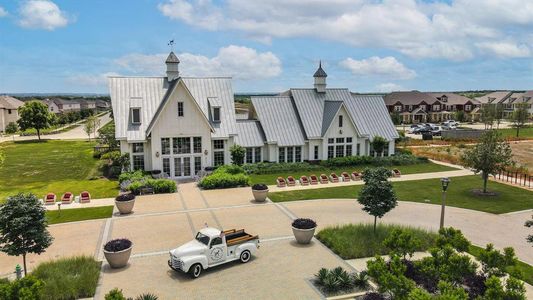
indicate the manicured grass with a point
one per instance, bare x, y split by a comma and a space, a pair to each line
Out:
459, 194
524, 269
52, 166
270, 179
68, 278
511, 132
79, 214
359, 240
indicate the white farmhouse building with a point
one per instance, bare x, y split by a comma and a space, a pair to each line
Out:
181, 125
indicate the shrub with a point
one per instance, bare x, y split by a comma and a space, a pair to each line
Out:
373, 296
302, 223
125, 197
230, 169
11, 128
115, 294
68, 278
402, 243
237, 154
224, 180
274, 168
361, 280
159, 186
260, 187
28, 287
117, 245
494, 263
146, 296
390, 277
453, 237
339, 280
130, 176
350, 161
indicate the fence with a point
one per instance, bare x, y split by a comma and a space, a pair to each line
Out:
462, 134
521, 179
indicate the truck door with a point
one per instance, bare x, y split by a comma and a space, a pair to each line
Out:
217, 251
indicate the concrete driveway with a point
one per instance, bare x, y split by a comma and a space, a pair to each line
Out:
281, 269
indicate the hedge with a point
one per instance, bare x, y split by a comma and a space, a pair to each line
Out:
159, 186
273, 168
227, 176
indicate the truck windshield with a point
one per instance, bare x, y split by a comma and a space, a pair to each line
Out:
202, 238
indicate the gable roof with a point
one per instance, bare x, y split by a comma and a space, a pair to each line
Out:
331, 108
453, 99
148, 94
494, 97
409, 98
249, 134
279, 120
9, 102
371, 116
61, 101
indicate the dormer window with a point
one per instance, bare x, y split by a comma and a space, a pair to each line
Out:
216, 114
136, 115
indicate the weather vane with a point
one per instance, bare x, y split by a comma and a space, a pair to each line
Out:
171, 44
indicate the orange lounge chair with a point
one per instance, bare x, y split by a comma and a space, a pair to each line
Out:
50, 198
67, 198
291, 181
345, 176
85, 197
281, 182
304, 180
356, 176
334, 178
324, 179
314, 179
396, 173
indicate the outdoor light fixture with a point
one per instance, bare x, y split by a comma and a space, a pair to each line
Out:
445, 183
157, 154
206, 152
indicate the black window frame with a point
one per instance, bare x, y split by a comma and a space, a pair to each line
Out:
316, 152
181, 109
216, 114
138, 111
340, 121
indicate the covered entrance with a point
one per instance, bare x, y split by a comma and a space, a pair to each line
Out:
180, 160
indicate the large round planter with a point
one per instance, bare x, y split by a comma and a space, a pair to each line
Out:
125, 207
303, 236
260, 195
118, 259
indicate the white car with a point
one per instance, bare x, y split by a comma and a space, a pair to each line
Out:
211, 248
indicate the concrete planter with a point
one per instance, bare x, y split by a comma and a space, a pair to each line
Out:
303, 236
118, 259
125, 207
260, 195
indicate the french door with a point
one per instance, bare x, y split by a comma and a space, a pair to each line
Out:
182, 166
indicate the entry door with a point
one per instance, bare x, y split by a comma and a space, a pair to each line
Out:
182, 167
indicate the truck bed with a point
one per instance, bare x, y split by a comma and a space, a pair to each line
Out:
234, 237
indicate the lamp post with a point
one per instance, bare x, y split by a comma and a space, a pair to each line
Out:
445, 182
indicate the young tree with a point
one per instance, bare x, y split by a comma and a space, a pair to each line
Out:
237, 154
378, 144
107, 135
23, 226
396, 118
490, 156
519, 117
377, 195
34, 114
488, 114
460, 116
498, 114
89, 126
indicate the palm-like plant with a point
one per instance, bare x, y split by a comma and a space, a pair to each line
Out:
147, 296
361, 280
321, 276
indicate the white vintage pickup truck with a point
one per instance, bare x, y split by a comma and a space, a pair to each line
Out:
212, 247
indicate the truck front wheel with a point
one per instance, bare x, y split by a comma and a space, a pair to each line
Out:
245, 256
195, 270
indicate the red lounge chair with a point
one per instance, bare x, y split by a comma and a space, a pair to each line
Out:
396, 173
314, 179
50, 199
67, 198
291, 181
356, 176
334, 178
85, 197
324, 179
304, 180
345, 176
281, 182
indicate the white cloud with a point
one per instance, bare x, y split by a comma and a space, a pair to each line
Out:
236, 61
3, 12
42, 14
388, 87
506, 49
440, 29
386, 66
93, 80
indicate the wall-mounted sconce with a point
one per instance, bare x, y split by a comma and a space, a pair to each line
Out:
157, 154
206, 152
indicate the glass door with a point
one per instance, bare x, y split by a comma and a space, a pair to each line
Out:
186, 166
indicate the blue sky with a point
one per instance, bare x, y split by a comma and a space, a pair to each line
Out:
270, 45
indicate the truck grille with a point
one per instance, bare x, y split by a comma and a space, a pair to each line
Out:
176, 263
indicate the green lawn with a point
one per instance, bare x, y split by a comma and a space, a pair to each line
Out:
511, 132
407, 169
459, 194
79, 214
52, 166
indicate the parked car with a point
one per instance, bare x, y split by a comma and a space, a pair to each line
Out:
212, 247
450, 123
437, 131
414, 128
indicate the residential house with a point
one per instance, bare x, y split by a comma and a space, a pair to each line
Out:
87, 104
181, 125
102, 105
508, 101
8, 111
421, 107
494, 97
52, 107
65, 105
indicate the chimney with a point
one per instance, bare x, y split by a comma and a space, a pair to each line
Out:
172, 62
320, 79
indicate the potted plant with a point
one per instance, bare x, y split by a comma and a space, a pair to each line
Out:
117, 252
303, 230
125, 202
260, 192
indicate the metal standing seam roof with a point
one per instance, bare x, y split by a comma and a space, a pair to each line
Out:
279, 120
249, 134
371, 116
330, 110
148, 93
